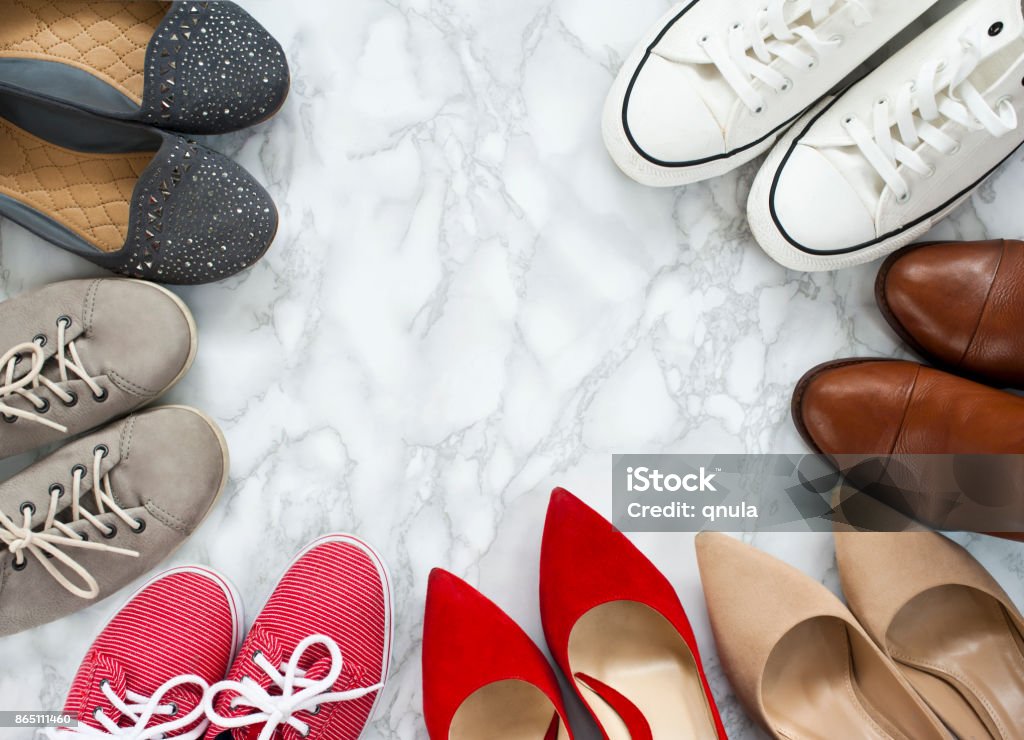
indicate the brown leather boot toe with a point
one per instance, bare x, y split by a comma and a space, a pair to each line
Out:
960, 305
887, 407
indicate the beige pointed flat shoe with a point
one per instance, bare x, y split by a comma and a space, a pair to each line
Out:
950, 628
796, 656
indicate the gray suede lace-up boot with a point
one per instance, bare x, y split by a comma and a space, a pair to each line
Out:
92, 517
76, 354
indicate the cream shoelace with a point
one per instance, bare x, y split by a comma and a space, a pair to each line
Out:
918, 109
140, 710
29, 384
45, 545
297, 693
770, 36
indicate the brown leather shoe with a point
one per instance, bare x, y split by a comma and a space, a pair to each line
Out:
960, 305
888, 407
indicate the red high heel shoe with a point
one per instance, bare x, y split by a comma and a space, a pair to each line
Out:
618, 632
483, 677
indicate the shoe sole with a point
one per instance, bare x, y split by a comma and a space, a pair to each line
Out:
385, 576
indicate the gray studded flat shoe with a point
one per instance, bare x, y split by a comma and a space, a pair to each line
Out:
92, 517
131, 198
192, 67
76, 354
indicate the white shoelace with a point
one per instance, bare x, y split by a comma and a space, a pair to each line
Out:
29, 384
298, 693
45, 545
140, 710
770, 36
920, 107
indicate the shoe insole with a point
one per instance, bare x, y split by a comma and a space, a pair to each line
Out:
88, 193
510, 710
824, 681
635, 651
965, 655
107, 39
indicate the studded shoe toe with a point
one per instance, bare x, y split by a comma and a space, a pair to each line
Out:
193, 67
92, 517
132, 199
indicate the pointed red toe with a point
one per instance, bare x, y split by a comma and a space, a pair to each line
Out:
618, 632
483, 677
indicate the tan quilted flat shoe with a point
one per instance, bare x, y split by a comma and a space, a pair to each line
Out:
797, 658
196, 67
951, 630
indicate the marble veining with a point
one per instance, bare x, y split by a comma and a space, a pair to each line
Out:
466, 305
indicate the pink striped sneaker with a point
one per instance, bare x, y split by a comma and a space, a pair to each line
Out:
146, 674
317, 656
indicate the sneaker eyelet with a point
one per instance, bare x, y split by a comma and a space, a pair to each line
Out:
64, 321
9, 419
996, 28
838, 39
43, 407
140, 526
174, 709
85, 536
903, 198
110, 533
97, 712
703, 39
40, 339
787, 85
930, 173
19, 566
28, 505
73, 401
956, 149
104, 682
758, 110
316, 711
813, 63
257, 654
103, 450
79, 470
58, 489
102, 396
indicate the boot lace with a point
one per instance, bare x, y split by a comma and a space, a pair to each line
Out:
770, 35
48, 544
941, 92
28, 385
140, 710
297, 693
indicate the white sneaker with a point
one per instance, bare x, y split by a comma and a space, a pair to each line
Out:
875, 168
717, 81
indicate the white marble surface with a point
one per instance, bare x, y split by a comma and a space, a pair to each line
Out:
467, 305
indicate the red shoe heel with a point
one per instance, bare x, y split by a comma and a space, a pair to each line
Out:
483, 677
615, 626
